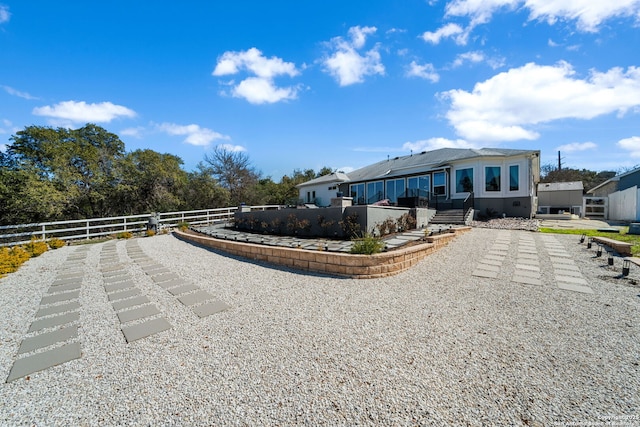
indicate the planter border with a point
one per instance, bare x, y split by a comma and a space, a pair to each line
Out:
334, 263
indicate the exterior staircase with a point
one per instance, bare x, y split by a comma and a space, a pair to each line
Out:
448, 216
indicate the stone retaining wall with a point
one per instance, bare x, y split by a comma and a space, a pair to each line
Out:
349, 265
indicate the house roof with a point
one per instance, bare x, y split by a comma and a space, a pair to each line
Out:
429, 160
560, 186
331, 178
615, 178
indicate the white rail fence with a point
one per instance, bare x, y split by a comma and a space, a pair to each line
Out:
99, 227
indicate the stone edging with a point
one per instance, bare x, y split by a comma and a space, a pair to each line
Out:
355, 266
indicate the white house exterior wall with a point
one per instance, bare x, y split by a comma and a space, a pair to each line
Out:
524, 178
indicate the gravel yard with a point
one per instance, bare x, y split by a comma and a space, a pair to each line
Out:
431, 346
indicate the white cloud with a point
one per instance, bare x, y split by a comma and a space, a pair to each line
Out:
436, 143
19, 94
4, 14
259, 88
577, 146
473, 57
426, 71
588, 14
195, 135
231, 147
346, 64
450, 30
135, 132
504, 106
631, 144
79, 112
253, 61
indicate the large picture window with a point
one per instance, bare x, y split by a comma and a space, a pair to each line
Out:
395, 188
419, 186
464, 180
439, 183
514, 178
492, 178
375, 191
357, 192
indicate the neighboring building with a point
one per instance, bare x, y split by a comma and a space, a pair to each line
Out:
502, 180
321, 190
560, 197
617, 198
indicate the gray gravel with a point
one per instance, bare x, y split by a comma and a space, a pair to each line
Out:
431, 346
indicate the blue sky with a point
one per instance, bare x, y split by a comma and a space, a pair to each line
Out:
301, 84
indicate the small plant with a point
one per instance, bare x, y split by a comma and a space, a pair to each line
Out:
183, 226
387, 226
150, 233
350, 226
325, 225
276, 225
367, 245
406, 222
124, 235
11, 259
164, 231
55, 243
36, 247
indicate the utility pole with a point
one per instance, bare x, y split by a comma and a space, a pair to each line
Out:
559, 161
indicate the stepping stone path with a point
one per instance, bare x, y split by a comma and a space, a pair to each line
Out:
526, 257
201, 302
52, 338
139, 318
492, 263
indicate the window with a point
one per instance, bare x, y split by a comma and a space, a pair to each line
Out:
514, 178
357, 192
395, 188
375, 191
464, 180
492, 178
439, 183
419, 186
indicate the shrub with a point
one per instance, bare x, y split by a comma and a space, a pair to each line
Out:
350, 226
36, 247
55, 243
124, 235
367, 245
406, 222
11, 259
387, 226
183, 226
150, 233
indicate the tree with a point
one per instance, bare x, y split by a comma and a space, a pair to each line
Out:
233, 170
589, 178
78, 163
149, 182
203, 191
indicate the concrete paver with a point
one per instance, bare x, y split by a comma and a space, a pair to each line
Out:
38, 362
57, 309
209, 308
138, 313
50, 322
130, 302
145, 329
67, 296
47, 339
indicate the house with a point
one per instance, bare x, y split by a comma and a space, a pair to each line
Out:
321, 190
560, 197
617, 198
502, 181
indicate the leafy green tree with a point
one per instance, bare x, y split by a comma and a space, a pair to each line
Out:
149, 182
202, 191
79, 163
